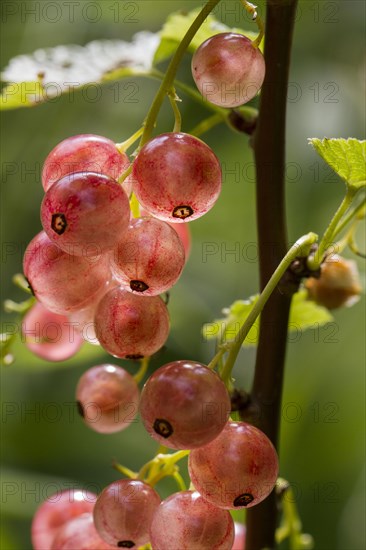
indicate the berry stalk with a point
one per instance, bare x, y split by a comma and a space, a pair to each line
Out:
269, 149
168, 80
301, 249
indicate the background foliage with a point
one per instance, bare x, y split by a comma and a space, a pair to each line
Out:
45, 446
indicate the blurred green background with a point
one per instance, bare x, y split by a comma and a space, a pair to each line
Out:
45, 446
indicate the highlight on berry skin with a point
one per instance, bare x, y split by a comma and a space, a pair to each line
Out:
83, 153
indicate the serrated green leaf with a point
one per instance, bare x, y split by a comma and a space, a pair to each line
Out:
304, 314
347, 157
177, 25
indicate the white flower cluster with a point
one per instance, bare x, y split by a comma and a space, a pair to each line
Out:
66, 67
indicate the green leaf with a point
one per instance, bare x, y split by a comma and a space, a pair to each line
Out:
177, 25
347, 157
47, 74
304, 314
23, 94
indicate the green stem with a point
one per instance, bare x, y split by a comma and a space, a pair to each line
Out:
177, 116
190, 92
206, 125
291, 526
125, 174
351, 215
252, 10
301, 248
316, 259
134, 206
212, 364
125, 471
124, 145
165, 460
180, 481
168, 79
142, 370
21, 282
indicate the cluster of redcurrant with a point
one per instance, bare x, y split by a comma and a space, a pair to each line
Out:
91, 261
65, 521
95, 266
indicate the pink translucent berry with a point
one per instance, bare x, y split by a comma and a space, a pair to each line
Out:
228, 70
49, 335
149, 257
177, 177
107, 398
236, 470
54, 512
184, 405
83, 212
124, 511
186, 521
185, 236
131, 326
79, 534
63, 283
83, 153
182, 229
83, 319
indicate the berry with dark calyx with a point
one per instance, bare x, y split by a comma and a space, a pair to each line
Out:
57, 510
184, 405
83, 153
228, 69
79, 534
186, 521
177, 177
63, 283
124, 511
236, 470
131, 326
85, 211
149, 257
49, 335
338, 285
108, 398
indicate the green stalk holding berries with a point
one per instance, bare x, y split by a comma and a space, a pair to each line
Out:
300, 249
